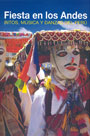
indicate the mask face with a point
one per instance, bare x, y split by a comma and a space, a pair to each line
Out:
2, 56
66, 61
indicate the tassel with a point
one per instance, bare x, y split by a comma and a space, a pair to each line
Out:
64, 122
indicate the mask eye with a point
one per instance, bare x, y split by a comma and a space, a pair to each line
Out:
62, 54
75, 52
1, 51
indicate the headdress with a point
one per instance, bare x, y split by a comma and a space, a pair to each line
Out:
15, 41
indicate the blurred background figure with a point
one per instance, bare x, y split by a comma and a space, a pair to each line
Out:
14, 110
10, 110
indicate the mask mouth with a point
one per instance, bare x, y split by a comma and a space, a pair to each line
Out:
71, 67
1, 51
69, 64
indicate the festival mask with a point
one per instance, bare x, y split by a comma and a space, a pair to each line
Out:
2, 56
65, 61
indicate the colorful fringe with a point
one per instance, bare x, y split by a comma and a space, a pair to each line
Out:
84, 124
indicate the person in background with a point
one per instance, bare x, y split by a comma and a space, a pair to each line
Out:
13, 119
33, 85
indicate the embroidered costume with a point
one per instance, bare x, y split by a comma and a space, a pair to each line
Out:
58, 107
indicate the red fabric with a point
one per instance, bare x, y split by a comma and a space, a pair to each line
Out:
85, 134
55, 122
14, 45
59, 36
76, 109
59, 92
1, 96
73, 133
85, 90
23, 74
44, 58
59, 132
81, 121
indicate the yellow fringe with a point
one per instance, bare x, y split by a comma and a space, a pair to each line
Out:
48, 84
64, 125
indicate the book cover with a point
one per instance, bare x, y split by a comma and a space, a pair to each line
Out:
44, 68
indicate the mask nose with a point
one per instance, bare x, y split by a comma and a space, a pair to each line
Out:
72, 60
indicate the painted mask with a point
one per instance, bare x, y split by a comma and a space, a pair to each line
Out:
65, 61
2, 56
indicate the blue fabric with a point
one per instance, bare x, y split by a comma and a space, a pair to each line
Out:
36, 58
28, 48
